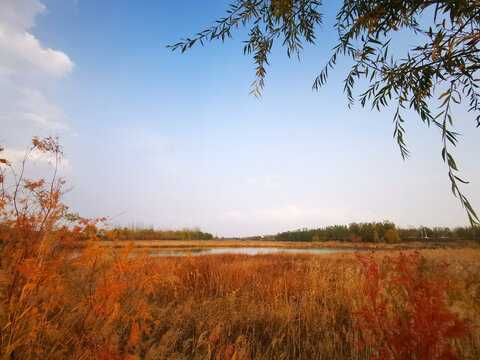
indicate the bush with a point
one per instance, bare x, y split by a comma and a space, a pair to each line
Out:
404, 316
61, 295
392, 236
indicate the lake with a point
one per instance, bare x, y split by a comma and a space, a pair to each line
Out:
249, 251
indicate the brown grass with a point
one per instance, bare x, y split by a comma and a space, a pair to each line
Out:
275, 306
281, 306
62, 296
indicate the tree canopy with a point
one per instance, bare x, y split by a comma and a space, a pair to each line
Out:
440, 70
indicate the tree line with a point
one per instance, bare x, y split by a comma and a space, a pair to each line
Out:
378, 232
151, 234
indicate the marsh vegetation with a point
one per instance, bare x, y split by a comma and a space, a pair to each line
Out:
67, 294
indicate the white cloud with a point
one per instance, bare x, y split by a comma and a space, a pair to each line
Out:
14, 156
25, 65
20, 52
20, 14
28, 108
35, 109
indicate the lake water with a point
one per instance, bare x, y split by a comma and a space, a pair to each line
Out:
249, 251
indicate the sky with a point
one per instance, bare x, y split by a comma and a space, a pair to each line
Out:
172, 140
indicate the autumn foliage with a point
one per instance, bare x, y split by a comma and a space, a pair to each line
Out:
404, 315
62, 295
65, 295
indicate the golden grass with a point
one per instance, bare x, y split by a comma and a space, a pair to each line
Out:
110, 305
281, 306
62, 296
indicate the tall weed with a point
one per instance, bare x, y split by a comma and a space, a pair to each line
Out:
63, 296
404, 314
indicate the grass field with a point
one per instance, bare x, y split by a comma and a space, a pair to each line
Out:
103, 303
282, 306
65, 294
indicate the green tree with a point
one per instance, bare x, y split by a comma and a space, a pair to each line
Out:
428, 78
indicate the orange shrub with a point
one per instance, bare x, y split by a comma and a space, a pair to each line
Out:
404, 315
61, 294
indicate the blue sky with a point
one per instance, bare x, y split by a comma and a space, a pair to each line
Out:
175, 140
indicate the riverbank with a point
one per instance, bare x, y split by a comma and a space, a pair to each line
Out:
210, 244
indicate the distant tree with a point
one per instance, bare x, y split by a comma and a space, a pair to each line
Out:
471, 233
375, 232
354, 229
392, 236
433, 74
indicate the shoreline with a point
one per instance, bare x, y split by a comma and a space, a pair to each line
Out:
209, 244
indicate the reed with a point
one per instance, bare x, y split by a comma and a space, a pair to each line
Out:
108, 304
283, 306
66, 295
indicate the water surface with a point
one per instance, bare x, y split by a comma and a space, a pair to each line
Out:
249, 251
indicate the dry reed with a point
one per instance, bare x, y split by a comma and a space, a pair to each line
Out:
66, 295
280, 306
